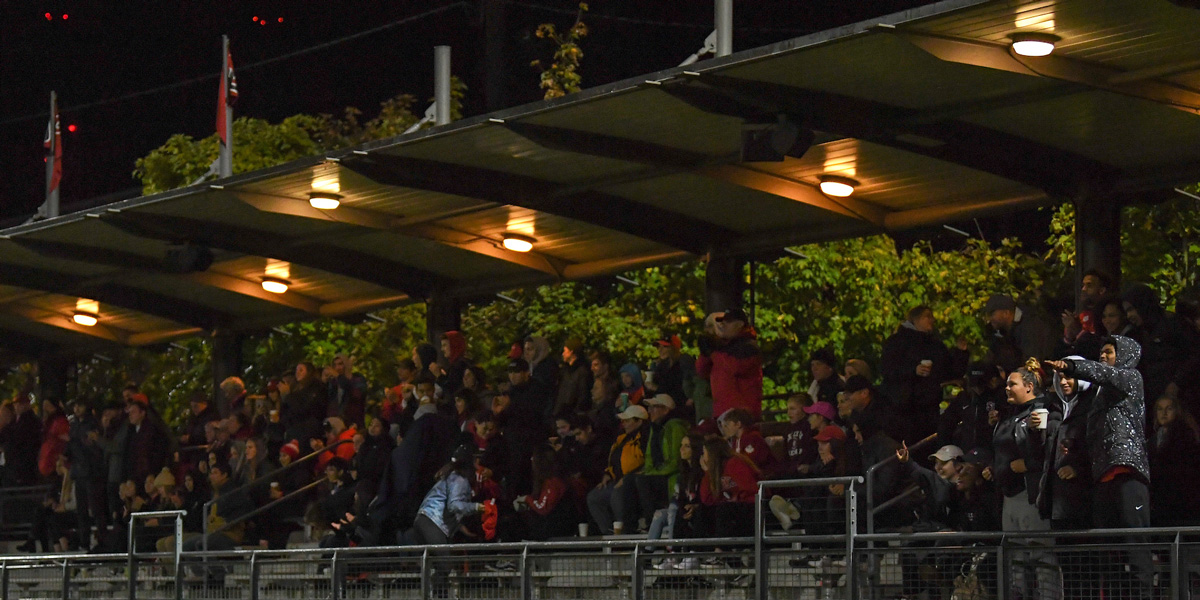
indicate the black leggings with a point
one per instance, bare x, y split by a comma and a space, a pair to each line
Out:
424, 532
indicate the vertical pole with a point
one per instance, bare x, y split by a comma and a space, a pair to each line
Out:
132, 566
637, 590
1176, 567
226, 362
724, 21
760, 569
254, 576
52, 377
526, 575
4, 580
66, 579
442, 314
870, 501
1001, 570
851, 532
723, 283
441, 84
179, 556
225, 159
426, 593
494, 38
1097, 238
335, 578
51, 189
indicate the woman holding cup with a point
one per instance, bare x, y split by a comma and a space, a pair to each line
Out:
1017, 470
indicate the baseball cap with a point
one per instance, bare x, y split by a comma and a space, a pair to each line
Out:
634, 412
947, 453
660, 400
856, 383
733, 314
824, 409
830, 432
999, 302
517, 365
979, 456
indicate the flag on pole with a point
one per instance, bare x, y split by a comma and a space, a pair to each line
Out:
53, 144
226, 96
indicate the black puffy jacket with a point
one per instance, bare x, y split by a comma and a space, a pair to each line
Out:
1117, 417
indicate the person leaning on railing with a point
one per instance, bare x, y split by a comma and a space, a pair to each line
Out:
727, 493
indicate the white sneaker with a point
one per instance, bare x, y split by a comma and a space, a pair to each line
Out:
664, 564
688, 563
779, 508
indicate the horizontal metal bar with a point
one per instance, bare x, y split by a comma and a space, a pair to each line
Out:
816, 481
154, 514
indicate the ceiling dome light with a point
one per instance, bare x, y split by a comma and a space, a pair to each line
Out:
275, 285
837, 185
517, 242
87, 319
324, 200
1033, 43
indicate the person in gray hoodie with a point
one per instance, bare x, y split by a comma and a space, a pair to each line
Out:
1115, 424
1066, 485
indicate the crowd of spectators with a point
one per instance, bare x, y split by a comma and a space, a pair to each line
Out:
1096, 429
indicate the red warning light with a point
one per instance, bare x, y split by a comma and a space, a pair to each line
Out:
49, 17
255, 19
65, 15
280, 19
72, 128
262, 22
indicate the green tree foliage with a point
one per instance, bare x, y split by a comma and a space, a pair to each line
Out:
562, 76
1159, 245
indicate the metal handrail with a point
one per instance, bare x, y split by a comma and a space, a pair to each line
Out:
266, 507
260, 481
153, 514
870, 476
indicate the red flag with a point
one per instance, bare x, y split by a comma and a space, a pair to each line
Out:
53, 144
226, 95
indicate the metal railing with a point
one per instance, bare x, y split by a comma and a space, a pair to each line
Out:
873, 510
1083, 564
132, 571
262, 480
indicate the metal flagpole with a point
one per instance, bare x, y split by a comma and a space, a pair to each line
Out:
225, 160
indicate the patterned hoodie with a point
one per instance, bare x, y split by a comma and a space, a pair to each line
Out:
1117, 417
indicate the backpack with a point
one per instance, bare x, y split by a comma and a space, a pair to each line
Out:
967, 585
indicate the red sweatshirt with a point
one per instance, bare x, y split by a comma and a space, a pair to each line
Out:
739, 483
552, 491
734, 371
752, 445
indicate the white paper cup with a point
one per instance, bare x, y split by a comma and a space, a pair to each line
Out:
618, 527
1045, 416
583, 527
927, 363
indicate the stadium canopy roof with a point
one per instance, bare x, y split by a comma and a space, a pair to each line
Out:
928, 109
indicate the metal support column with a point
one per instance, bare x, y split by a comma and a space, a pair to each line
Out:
494, 39
426, 592
851, 533
724, 281
1097, 238
132, 563
441, 315
335, 578
226, 362
1177, 571
724, 22
637, 589
441, 85
53, 372
760, 568
255, 575
526, 575
4, 580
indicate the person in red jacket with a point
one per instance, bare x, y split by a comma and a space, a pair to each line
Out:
335, 431
737, 427
732, 364
727, 491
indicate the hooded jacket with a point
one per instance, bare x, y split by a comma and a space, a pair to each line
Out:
541, 365
1015, 440
1116, 419
1066, 446
1163, 339
457, 364
735, 373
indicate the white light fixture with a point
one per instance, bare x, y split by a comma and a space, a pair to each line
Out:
517, 242
324, 200
837, 185
86, 319
1033, 43
275, 285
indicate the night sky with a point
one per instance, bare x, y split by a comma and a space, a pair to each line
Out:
108, 49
